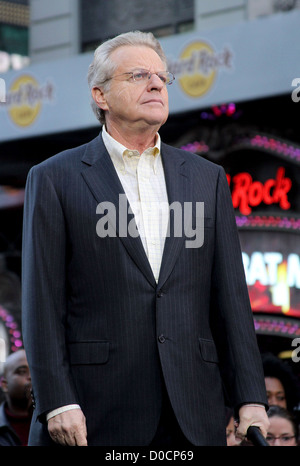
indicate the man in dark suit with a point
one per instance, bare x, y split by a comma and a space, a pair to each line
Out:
135, 330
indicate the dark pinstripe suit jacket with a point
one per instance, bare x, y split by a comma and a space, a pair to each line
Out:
100, 332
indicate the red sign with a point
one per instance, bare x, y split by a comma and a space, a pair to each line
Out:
247, 193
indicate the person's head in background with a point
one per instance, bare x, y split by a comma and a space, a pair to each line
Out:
16, 383
281, 384
283, 430
231, 439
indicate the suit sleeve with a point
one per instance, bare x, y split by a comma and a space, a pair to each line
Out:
231, 311
44, 306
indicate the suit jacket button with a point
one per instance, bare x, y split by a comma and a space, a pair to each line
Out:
161, 339
159, 293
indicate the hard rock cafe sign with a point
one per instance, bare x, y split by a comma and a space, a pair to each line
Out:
248, 193
197, 67
25, 98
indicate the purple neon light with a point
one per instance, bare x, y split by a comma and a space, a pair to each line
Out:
277, 327
12, 328
274, 145
270, 222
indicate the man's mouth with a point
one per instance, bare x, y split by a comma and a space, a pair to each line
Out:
154, 101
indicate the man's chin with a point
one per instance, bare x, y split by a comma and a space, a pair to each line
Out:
155, 120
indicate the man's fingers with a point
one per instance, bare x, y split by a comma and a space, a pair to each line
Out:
80, 440
80, 437
68, 428
252, 416
242, 430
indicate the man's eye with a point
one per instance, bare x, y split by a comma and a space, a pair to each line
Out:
163, 78
140, 75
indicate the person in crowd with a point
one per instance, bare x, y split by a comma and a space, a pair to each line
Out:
136, 312
283, 429
231, 438
281, 384
16, 410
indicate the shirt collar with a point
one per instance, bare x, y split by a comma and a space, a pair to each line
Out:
117, 151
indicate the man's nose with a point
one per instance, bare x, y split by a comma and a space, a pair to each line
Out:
155, 83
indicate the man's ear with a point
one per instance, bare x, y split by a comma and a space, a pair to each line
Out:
99, 98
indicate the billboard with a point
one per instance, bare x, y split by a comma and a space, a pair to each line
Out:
272, 267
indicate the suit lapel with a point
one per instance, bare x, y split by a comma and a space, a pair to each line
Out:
179, 191
101, 177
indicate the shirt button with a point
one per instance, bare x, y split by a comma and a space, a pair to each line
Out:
161, 339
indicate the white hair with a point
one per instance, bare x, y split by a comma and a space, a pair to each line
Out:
102, 67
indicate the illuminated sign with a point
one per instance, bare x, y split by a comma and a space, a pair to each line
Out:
272, 268
247, 193
197, 67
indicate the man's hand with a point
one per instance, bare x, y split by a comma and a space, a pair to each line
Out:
68, 428
252, 416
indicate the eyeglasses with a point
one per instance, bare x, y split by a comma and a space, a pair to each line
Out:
142, 76
282, 438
